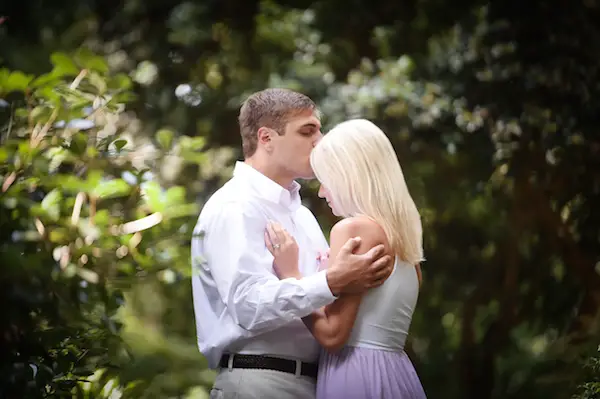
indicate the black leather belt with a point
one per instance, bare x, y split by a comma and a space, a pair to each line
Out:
269, 363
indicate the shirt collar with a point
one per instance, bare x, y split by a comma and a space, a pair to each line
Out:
266, 188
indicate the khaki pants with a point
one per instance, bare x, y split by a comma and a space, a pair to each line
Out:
261, 384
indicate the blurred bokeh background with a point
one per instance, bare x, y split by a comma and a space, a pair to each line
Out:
118, 120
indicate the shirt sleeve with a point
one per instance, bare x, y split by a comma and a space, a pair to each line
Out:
234, 252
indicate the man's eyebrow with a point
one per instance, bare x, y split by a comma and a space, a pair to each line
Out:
310, 124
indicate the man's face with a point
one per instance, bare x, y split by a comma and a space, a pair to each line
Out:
293, 148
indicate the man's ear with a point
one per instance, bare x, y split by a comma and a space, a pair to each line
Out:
265, 136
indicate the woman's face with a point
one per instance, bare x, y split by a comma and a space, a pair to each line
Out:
325, 193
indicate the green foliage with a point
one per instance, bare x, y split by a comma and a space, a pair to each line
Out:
591, 388
84, 221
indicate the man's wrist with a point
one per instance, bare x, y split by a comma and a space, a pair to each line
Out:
334, 281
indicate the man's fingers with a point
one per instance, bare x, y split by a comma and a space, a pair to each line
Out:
375, 252
381, 275
382, 268
375, 283
350, 245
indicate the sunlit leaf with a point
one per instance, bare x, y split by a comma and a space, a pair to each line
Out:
165, 138
175, 196
51, 204
86, 59
154, 196
111, 189
63, 64
16, 81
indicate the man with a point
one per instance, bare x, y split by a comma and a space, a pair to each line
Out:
248, 321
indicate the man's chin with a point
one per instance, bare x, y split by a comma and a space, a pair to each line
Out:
308, 176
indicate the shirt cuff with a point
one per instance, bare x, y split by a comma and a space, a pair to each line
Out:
317, 289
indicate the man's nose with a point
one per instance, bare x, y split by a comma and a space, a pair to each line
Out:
320, 193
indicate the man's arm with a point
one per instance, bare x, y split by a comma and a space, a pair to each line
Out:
235, 254
349, 273
332, 325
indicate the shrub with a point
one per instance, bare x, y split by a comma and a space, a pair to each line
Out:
81, 219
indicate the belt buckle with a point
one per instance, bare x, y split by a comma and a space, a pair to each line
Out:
298, 368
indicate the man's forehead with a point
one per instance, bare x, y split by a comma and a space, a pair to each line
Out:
308, 119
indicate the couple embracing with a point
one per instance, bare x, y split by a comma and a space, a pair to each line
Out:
279, 311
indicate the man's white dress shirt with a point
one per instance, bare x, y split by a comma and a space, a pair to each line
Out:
240, 305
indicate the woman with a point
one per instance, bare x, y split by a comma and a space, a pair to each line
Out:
363, 335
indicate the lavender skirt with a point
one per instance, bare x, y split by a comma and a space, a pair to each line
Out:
363, 373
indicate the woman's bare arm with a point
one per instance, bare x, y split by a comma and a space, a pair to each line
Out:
332, 325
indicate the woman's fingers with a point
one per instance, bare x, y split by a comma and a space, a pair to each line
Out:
283, 234
280, 234
279, 237
275, 239
268, 241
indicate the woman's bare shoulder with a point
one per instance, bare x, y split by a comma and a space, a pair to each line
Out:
367, 229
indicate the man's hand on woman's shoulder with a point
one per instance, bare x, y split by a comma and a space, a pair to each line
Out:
357, 263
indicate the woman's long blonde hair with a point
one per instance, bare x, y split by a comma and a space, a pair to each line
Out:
356, 162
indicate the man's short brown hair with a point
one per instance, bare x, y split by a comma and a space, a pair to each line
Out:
270, 108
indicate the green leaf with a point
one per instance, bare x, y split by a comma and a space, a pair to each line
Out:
79, 143
4, 74
165, 138
112, 189
63, 64
175, 196
88, 60
50, 94
124, 97
182, 210
153, 193
58, 236
16, 81
70, 183
120, 81
51, 204
194, 157
102, 217
98, 82
119, 144
94, 178
192, 143
46, 81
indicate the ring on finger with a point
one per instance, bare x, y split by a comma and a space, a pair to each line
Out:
276, 246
